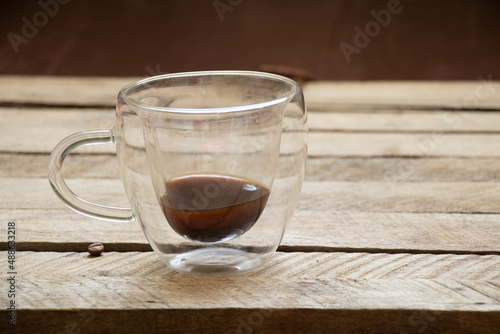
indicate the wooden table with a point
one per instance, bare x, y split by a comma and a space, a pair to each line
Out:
397, 229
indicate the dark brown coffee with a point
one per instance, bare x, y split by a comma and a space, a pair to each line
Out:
213, 208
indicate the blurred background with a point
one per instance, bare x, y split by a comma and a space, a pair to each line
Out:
322, 40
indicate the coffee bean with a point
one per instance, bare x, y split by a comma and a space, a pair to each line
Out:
95, 249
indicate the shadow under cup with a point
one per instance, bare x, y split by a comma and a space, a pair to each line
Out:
212, 164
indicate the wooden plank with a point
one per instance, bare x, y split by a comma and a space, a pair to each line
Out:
64, 230
396, 169
397, 144
332, 196
28, 165
423, 197
481, 94
446, 121
334, 169
386, 292
26, 193
71, 120
393, 232
43, 229
124, 292
282, 266
440, 142
72, 91
404, 121
57, 124
332, 283
155, 292
326, 145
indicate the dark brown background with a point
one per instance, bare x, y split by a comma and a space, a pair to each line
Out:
429, 39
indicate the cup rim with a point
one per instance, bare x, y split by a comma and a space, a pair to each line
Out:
143, 82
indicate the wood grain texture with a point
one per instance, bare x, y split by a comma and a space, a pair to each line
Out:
70, 91
392, 232
157, 292
283, 266
407, 134
322, 283
78, 119
410, 169
83, 165
403, 121
201, 293
482, 94
66, 231
326, 196
411, 197
396, 230
37, 193
321, 144
58, 124
403, 144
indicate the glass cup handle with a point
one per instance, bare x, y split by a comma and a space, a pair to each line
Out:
61, 188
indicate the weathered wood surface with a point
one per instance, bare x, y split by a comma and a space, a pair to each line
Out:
345, 145
318, 196
88, 165
365, 281
83, 92
285, 265
63, 230
409, 216
434, 286
397, 229
480, 94
331, 134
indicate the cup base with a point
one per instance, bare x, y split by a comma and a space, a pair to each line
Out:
215, 262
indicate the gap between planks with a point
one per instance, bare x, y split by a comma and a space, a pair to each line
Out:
35, 246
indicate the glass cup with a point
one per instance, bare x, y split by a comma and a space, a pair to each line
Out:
212, 165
